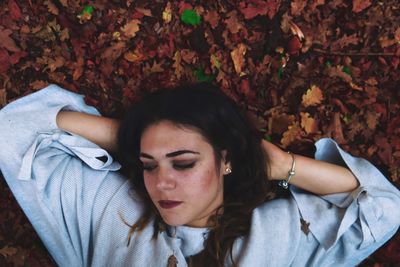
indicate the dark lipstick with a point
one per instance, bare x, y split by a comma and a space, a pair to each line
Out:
169, 204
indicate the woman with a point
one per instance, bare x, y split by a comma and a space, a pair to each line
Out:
199, 187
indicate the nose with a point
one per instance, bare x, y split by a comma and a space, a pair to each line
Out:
165, 179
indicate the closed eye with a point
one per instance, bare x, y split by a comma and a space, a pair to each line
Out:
149, 167
184, 166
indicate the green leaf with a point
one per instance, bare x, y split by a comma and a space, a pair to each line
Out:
190, 17
280, 72
88, 9
328, 64
202, 77
268, 137
346, 70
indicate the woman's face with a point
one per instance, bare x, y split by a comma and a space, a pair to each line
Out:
180, 174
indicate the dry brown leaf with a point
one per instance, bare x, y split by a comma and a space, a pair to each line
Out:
312, 97
144, 11
337, 71
397, 35
131, 28
232, 22
297, 6
132, 57
3, 97
372, 119
309, 124
38, 84
188, 56
278, 123
51, 7
293, 132
7, 42
237, 56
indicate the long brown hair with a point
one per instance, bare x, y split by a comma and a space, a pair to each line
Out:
205, 108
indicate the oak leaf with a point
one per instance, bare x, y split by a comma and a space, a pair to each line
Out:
238, 59
293, 132
131, 28
312, 97
51, 7
309, 124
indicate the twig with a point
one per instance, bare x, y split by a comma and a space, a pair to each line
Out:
353, 53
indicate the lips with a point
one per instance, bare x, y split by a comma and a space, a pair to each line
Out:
169, 204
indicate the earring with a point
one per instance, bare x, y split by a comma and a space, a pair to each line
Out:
228, 170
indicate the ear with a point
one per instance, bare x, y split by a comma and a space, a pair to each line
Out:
225, 164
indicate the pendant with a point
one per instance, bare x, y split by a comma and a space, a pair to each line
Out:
172, 261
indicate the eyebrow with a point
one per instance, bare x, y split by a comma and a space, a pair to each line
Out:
171, 154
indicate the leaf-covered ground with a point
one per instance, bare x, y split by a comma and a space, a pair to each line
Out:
302, 69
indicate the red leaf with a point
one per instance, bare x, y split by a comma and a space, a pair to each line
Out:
294, 46
14, 10
14, 59
259, 7
360, 5
4, 61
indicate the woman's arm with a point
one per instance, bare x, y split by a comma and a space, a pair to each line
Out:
315, 176
99, 130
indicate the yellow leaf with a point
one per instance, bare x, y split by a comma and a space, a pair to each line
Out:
131, 28
292, 133
8, 251
237, 56
177, 64
51, 7
309, 124
167, 15
312, 97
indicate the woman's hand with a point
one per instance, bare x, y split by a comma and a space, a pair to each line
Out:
279, 162
315, 176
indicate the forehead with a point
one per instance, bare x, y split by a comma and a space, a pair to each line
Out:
165, 137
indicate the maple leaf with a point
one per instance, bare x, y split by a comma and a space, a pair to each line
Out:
7, 42
309, 124
259, 7
131, 28
237, 56
312, 97
360, 5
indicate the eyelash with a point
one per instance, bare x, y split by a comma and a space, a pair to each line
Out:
176, 166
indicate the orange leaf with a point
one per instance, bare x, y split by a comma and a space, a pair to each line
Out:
51, 7
237, 56
293, 132
309, 124
360, 5
131, 28
177, 64
7, 42
8, 251
312, 97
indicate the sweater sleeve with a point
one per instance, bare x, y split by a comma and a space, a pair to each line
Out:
352, 225
57, 178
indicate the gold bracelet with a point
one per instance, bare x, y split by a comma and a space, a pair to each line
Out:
291, 173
